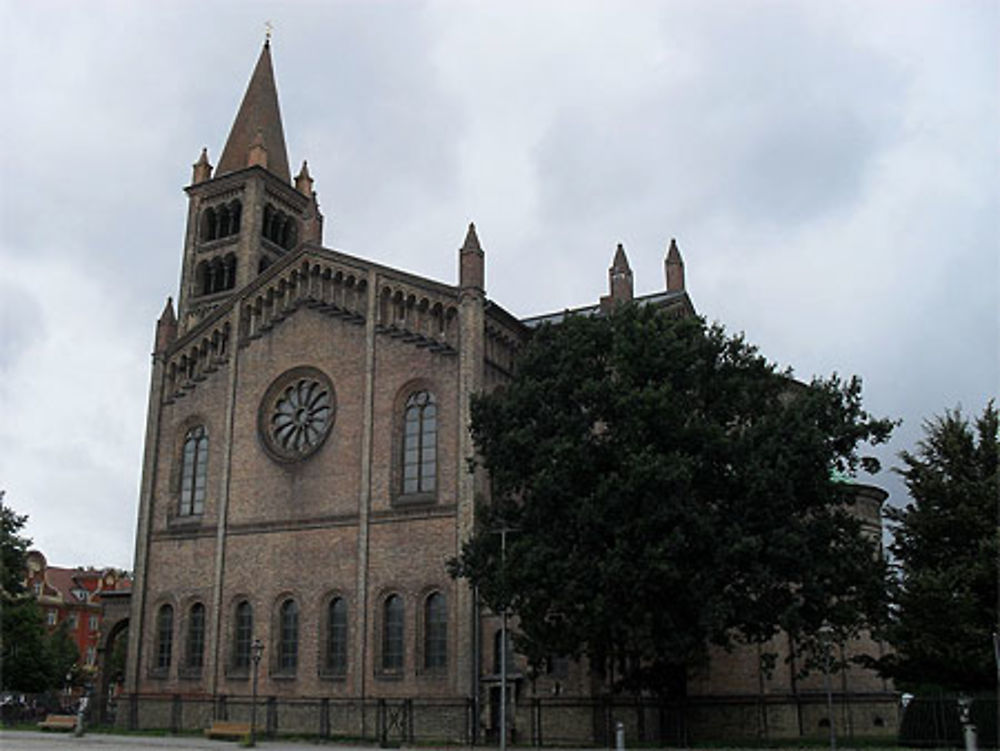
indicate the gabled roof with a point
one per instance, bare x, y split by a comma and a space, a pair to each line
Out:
257, 124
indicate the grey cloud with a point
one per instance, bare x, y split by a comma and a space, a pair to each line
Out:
21, 324
781, 124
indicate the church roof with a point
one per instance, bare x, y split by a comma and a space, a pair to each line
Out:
656, 298
257, 124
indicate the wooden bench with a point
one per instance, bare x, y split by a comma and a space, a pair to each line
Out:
226, 729
58, 722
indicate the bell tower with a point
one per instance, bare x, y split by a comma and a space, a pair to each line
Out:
244, 214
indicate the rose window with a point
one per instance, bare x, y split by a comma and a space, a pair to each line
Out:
297, 414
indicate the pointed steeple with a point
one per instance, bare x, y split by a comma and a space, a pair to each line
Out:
202, 169
674, 267
620, 277
166, 327
472, 239
257, 130
304, 181
471, 263
620, 262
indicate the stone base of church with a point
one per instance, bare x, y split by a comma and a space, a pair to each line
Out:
557, 721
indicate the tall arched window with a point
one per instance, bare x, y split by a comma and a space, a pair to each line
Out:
196, 636
242, 635
164, 636
392, 634
336, 637
435, 632
194, 463
288, 636
237, 208
420, 443
209, 226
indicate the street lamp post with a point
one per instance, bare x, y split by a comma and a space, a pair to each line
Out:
826, 633
256, 650
503, 643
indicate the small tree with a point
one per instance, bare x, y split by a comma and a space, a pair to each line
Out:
25, 663
13, 549
944, 586
669, 487
63, 656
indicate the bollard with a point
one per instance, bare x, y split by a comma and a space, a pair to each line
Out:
81, 710
968, 726
619, 736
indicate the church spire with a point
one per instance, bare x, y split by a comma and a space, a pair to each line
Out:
257, 127
674, 267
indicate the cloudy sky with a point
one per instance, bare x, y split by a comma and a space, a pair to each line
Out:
830, 172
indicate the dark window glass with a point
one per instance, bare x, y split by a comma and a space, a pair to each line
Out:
242, 635
164, 636
196, 636
435, 632
288, 645
392, 635
336, 637
194, 463
420, 443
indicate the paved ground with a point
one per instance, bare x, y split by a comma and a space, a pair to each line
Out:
25, 740
28, 740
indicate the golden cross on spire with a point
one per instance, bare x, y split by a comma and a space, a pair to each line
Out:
268, 28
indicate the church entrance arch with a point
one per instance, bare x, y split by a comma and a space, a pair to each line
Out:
114, 648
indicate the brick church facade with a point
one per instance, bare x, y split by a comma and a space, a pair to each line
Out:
305, 477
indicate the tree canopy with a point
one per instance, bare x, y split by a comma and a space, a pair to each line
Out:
944, 581
13, 548
30, 660
667, 487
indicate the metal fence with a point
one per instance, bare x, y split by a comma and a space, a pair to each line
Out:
933, 721
534, 721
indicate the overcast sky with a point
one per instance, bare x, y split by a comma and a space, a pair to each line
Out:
830, 172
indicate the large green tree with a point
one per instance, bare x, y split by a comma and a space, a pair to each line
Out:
24, 655
13, 549
667, 487
30, 660
944, 582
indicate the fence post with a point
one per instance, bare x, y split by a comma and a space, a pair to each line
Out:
470, 719
408, 719
175, 714
221, 710
608, 727
380, 722
536, 722
324, 717
272, 716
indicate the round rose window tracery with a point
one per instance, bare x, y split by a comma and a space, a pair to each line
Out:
297, 413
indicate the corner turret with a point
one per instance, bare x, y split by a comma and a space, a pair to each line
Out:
166, 328
620, 283
471, 262
202, 169
674, 266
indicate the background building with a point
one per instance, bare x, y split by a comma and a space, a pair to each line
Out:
76, 596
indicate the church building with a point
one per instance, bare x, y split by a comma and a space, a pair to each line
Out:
305, 475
